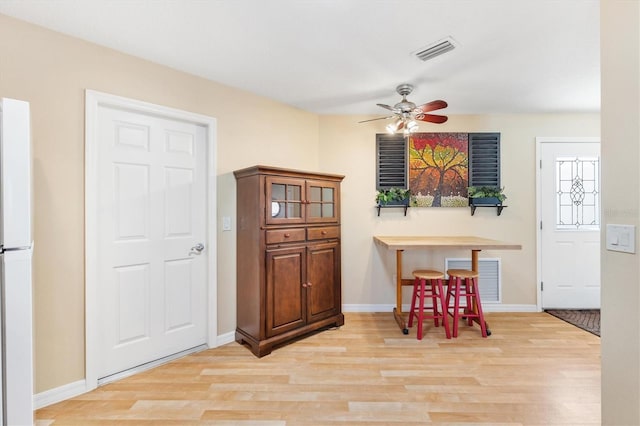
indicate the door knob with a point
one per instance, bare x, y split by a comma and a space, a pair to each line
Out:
197, 249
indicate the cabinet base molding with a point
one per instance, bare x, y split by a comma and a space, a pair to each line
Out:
264, 347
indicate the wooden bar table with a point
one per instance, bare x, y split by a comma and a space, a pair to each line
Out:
400, 244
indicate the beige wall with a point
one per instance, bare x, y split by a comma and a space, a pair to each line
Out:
52, 71
620, 53
349, 148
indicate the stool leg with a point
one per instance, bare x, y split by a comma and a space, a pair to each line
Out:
421, 312
434, 297
444, 315
413, 302
476, 291
447, 299
469, 294
456, 305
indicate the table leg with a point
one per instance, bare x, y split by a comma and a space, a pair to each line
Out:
397, 311
476, 268
474, 260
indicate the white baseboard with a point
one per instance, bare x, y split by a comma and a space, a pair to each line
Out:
58, 394
368, 308
223, 339
499, 307
487, 307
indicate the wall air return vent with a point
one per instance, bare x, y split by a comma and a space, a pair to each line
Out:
435, 49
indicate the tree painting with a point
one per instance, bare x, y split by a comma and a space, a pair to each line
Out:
438, 169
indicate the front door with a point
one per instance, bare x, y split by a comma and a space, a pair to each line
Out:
151, 221
570, 224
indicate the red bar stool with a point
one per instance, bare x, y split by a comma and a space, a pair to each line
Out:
464, 283
428, 283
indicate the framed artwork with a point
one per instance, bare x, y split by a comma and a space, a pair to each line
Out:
439, 169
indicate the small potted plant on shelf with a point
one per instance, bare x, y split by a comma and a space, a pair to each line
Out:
393, 196
486, 195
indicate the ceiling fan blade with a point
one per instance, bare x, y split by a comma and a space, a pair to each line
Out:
432, 118
432, 106
374, 119
386, 107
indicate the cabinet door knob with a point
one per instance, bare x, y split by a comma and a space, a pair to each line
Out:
309, 284
304, 285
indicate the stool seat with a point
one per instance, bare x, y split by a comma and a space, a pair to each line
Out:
462, 273
427, 274
427, 284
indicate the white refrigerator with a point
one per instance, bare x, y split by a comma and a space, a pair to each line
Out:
16, 249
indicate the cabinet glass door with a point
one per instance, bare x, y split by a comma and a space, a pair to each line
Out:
285, 198
322, 203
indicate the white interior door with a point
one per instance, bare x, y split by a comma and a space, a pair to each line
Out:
570, 224
152, 278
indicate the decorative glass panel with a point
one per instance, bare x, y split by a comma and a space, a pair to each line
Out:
327, 210
293, 192
327, 194
315, 194
314, 210
286, 201
277, 191
578, 193
321, 202
293, 210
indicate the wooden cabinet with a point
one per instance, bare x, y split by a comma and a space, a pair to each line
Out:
288, 255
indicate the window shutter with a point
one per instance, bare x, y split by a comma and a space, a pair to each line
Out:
391, 161
484, 159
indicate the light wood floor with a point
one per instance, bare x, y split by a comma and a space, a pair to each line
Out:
533, 370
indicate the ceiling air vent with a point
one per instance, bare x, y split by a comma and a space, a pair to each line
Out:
435, 49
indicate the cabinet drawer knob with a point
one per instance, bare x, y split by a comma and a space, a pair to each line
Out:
324, 232
287, 235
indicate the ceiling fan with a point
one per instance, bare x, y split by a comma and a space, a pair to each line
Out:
406, 113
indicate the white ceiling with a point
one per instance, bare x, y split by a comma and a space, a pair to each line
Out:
344, 56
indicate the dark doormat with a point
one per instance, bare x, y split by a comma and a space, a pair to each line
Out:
586, 319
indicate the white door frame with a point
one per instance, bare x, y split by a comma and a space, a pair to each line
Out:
539, 142
94, 100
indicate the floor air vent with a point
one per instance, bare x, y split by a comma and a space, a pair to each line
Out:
490, 286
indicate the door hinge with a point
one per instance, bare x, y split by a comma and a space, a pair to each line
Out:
540, 163
541, 286
540, 224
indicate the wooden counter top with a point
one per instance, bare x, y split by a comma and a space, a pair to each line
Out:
457, 242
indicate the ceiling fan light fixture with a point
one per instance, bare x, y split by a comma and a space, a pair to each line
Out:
410, 127
391, 128
436, 49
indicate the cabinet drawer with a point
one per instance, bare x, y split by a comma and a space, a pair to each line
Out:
275, 236
323, 232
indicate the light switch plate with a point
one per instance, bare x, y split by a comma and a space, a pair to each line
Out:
226, 223
621, 238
